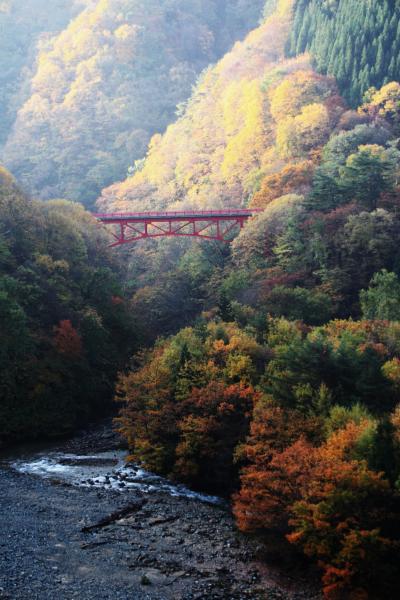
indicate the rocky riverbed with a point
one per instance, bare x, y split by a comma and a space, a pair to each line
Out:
67, 531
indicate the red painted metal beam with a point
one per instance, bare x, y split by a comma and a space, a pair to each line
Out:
205, 224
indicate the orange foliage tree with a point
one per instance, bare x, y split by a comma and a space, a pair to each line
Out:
148, 420
336, 508
217, 420
274, 447
292, 179
344, 517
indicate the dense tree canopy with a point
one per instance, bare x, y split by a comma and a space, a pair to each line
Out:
356, 42
309, 416
265, 394
65, 328
249, 116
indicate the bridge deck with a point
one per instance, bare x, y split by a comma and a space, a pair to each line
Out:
176, 215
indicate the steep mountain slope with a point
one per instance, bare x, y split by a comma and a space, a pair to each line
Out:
250, 114
250, 117
111, 80
356, 42
23, 25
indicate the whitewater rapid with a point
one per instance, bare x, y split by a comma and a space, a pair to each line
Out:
105, 470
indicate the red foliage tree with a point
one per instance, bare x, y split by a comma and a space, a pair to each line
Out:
67, 340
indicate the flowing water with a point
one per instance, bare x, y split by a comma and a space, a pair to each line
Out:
106, 470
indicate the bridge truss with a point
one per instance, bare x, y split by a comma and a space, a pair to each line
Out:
126, 228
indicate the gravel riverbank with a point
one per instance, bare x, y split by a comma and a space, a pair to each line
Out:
58, 541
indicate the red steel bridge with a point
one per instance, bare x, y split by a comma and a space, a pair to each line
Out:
202, 224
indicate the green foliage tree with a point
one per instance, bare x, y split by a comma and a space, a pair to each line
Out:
382, 299
356, 42
300, 368
366, 175
310, 306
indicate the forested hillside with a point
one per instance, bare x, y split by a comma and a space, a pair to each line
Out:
266, 395
284, 390
274, 394
268, 130
65, 328
108, 82
23, 27
356, 42
235, 129
268, 369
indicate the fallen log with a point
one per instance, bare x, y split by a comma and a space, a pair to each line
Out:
115, 516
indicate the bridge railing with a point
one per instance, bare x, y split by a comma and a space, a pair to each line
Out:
180, 213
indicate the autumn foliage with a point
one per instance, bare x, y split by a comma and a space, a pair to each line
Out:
95, 94
322, 474
189, 405
303, 428
67, 340
285, 392
293, 178
332, 504
270, 367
